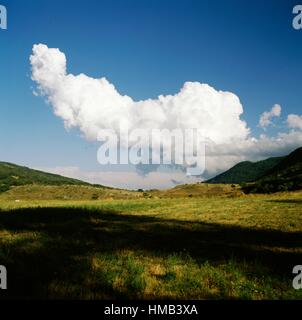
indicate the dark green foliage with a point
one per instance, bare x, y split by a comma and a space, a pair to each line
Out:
286, 176
13, 175
246, 171
267, 176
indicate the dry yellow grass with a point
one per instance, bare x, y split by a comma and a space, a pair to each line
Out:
163, 246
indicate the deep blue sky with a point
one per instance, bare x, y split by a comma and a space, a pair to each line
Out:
145, 48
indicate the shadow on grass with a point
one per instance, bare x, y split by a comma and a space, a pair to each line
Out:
295, 201
67, 238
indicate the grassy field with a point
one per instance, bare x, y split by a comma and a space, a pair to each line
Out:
72, 192
154, 246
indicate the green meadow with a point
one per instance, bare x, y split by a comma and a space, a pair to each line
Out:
152, 245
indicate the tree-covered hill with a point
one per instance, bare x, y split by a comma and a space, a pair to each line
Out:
285, 176
246, 171
14, 175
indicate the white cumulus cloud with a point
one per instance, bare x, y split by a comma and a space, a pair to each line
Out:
266, 117
92, 104
294, 121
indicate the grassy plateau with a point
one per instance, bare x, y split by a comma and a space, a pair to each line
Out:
176, 244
